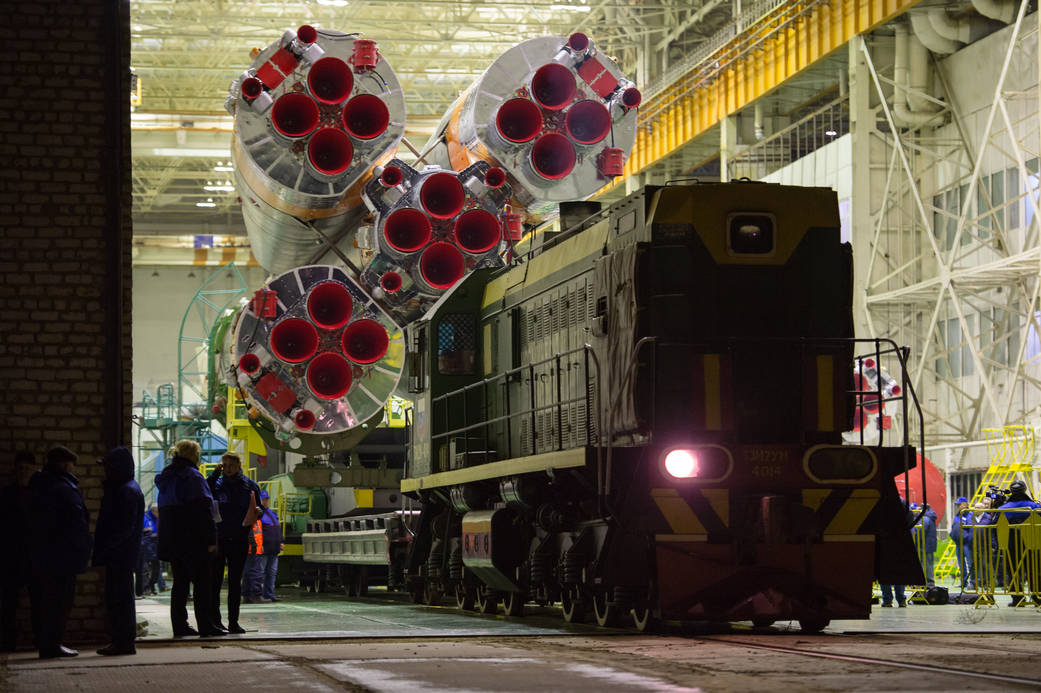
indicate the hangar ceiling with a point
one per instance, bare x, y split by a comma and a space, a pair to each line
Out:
185, 53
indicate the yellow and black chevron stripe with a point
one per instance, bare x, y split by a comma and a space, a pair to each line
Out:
841, 511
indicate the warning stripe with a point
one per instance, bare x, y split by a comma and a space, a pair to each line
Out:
841, 511
701, 512
710, 384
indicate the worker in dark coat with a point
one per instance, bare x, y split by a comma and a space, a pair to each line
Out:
117, 541
1023, 564
238, 498
14, 506
189, 538
61, 546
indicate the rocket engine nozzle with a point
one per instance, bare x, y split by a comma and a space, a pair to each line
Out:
477, 231
294, 340
442, 195
251, 88
442, 265
553, 156
588, 122
330, 80
329, 375
329, 305
518, 120
249, 363
330, 151
391, 176
407, 230
294, 115
553, 86
365, 341
366, 116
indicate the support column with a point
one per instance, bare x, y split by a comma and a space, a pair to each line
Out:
727, 145
862, 124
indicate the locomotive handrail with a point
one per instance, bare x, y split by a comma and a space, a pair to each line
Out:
485, 421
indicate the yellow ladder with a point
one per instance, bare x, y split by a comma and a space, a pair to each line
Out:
1011, 450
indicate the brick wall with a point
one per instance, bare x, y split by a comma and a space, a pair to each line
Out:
65, 281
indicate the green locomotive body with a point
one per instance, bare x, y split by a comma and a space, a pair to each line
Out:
644, 420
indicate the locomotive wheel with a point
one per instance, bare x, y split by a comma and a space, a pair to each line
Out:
416, 592
643, 618
573, 606
813, 624
606, 613
431, 595
487, 601
513, 603
464, 597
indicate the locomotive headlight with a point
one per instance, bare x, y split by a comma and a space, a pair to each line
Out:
682, 463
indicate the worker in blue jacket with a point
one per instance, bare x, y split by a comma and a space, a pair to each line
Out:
189, 538
238, 498
117, 542
961, 535
1027, 570
61, 546
928, 521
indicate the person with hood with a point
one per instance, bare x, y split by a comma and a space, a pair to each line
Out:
16, 573
189, 538
928, 519
117, 541
238, 498
1019, 501
961, 535
60, 533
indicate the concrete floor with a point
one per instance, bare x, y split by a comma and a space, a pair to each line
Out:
329, 643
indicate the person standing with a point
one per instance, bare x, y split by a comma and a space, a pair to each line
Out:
148, 572
60, 534
117, 543
961, 535
273, 546
928, 521
1022, 564
253, 573
189, 538
238, 498
14, 506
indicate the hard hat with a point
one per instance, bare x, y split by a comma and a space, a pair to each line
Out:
263, 494
1017, 486
961, 499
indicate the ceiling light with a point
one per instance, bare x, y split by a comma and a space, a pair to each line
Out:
218, 188
205, 204
222, 167
334, 3
830, 133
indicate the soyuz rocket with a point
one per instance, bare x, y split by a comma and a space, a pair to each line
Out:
359, 243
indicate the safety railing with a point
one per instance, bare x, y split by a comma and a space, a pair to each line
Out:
553, 398
1003, 556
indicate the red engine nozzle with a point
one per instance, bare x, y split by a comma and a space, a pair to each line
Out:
329, 375
330, 80
442, 265
330, 151
407, 229
249, 363
553, 86
295, 114
366, 116
251, 88
391, 176
518, 120
307, 34
442, 195
631, 97
578, 42
330, 305
294, 340
495, 177
553, 156
390, 282
588, 122
477, 231
365, 341
304, 419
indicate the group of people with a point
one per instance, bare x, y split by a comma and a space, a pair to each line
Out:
45, 513
973, 542
208, 524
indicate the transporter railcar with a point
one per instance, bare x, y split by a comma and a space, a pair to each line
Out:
643, 421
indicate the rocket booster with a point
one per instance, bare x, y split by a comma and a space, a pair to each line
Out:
432, 228
314, 112
555, 114
315, 358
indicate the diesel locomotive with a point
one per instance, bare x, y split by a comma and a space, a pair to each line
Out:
642, 421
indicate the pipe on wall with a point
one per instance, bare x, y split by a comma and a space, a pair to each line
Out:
903, 114
1001, 10
923, 29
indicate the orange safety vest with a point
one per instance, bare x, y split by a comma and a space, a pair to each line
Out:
258, 537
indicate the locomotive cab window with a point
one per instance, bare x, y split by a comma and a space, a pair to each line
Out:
456, 344
750, 234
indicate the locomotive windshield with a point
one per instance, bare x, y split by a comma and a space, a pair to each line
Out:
751, 234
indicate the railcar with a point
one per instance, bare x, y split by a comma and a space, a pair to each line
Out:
642, 421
